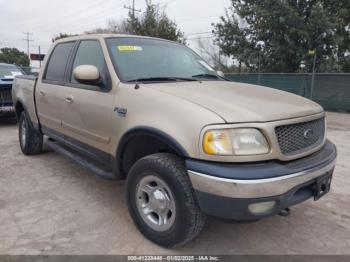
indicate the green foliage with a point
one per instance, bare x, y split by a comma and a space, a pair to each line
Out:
154, 22
60, 36
281, 32
14, 56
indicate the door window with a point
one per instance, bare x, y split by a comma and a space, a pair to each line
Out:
58, 61
89, 53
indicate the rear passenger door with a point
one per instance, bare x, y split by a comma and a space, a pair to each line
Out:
49, 91
87, 114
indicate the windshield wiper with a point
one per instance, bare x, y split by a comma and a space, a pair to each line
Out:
206, 76
161, 79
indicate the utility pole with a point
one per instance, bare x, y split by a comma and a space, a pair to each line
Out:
259, 71
260, 46
132, 8
39, 57
27, 39
314, 52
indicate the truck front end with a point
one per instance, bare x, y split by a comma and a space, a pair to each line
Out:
280, 164
7, 74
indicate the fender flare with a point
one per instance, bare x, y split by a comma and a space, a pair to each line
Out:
147, 131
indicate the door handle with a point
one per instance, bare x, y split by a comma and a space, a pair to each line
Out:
69, 99
41, 93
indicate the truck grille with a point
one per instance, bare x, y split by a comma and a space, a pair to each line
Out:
300, 137
5, 96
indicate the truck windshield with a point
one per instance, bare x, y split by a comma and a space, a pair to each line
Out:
142, 59
9, 71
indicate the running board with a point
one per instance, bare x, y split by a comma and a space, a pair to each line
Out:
81, 160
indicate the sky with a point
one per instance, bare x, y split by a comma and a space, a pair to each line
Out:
45, 18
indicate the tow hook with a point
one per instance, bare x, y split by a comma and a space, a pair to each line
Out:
285, 212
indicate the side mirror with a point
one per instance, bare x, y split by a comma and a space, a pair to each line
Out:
87, 74
221, 74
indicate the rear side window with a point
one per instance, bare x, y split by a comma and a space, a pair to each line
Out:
58, 61
89, 53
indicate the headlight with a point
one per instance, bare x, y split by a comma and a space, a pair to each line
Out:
238, 142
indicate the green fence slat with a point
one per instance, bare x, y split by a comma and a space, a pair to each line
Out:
332, 91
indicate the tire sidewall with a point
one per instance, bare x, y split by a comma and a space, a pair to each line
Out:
23, 120
180, 227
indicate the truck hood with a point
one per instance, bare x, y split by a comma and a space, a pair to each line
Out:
239, 102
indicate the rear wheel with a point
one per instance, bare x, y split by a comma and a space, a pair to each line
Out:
31, 140
162, 202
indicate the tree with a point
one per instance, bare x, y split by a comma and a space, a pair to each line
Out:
113, 27
61, 36
14, 56
154, 22
278, 34
341, 12
211, 54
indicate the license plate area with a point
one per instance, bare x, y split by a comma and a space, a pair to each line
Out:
322, 186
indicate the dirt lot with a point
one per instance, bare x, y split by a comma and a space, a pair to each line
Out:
49, 205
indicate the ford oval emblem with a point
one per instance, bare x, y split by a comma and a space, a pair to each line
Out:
309, 133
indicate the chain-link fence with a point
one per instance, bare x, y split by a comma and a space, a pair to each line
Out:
332, 91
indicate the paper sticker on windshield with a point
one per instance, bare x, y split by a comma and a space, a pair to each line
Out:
206, 65
129, 48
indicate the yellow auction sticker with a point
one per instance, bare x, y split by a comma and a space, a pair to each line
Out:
129, 48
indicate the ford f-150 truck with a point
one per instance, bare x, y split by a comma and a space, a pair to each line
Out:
189, 143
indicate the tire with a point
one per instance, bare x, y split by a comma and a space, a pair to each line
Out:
171, 185
30, 140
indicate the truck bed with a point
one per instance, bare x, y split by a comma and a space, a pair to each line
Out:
23, 92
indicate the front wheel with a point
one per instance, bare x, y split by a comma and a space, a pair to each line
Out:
30, 140
162, 202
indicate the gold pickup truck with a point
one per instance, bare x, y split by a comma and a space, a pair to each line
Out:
189, 143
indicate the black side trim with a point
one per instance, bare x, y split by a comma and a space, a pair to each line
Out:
52, 134
267, 169
98, 155
89, 164
101, 157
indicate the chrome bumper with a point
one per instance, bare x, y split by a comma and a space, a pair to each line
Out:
256, 188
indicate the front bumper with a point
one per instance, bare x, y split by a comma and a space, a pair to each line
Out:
227, 190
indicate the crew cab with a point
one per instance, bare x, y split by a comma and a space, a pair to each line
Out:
189, 143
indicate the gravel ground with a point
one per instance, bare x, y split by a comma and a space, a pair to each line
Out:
49, 205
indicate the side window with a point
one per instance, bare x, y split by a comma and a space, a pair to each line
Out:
89, 53
58, 61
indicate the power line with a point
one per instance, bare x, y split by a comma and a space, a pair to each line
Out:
198, 18
75, 17
199, 38
208, 32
